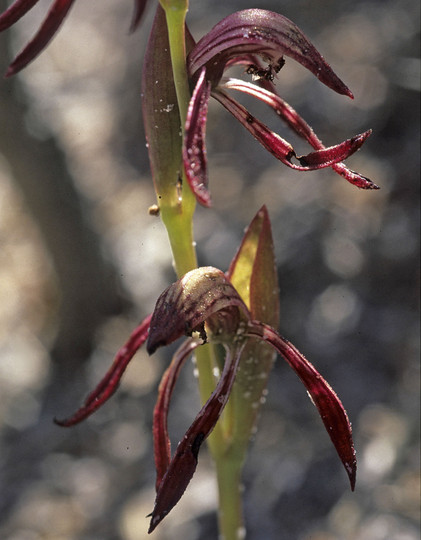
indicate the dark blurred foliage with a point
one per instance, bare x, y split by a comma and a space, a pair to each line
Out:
82, 262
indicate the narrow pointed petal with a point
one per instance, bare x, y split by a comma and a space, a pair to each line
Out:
110, 381
13, 13
184, 462
46, 32
268, 34
138, 10
186, 304
324, 398
273, 143
162, 445
280, 148
290, 116
333, 154
194, 147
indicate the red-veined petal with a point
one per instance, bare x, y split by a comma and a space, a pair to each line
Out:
110, 381
162, 445
268, 34
296, 123
184, 462
194, 147
280, 148
324, 398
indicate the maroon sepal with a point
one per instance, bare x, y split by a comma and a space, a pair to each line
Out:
264, 33
14, 12
110, 381
162, 445
267, 93
194, 147
184, 462
46, 32
280, 148
323, 396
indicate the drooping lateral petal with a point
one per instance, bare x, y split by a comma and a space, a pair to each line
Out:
14, 12
110, 381
333, 154
290, 116
139, 8
184, 462
194, 147
46, 32
323, 396
280, 148
268, 34
186, 304
162, 445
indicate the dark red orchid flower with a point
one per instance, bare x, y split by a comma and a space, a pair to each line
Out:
205, 306
49, 27
247, 38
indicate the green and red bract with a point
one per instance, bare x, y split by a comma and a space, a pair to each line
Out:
49, 27
247, 38
208, 305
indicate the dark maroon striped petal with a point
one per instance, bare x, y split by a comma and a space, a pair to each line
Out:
333, 154
290, 116
268, 34
324, 398
46, 32
13, 13
110, 381
162, 445
184, 462
186, 304
194, 147
280, 148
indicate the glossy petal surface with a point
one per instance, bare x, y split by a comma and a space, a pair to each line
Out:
110, 381
184, 462
194, 147
265, 33
324, 398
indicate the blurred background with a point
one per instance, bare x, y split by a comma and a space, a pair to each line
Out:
82, 263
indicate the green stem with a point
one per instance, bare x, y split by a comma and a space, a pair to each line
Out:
178, 221
230, 501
